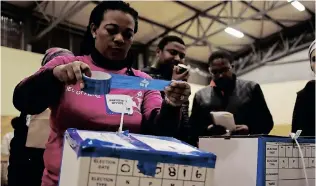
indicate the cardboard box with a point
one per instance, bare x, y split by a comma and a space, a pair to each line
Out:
123, 159
261, 161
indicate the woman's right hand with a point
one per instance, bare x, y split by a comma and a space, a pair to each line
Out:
71, 73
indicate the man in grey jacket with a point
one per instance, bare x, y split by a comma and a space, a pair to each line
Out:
244, 99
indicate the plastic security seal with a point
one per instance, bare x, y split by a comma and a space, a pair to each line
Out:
101, 83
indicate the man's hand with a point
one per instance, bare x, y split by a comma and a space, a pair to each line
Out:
177, 93
241, 130
176, 76
219, 130
216, 130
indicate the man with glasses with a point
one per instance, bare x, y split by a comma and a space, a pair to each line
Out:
170, 53
244, 99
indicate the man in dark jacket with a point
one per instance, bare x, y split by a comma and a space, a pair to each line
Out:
304, 110
244, 99
171, 52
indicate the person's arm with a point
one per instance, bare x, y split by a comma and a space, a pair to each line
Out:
184, 128
36, 93
298, 114
159, 117
262, 121
185, 113
196, 121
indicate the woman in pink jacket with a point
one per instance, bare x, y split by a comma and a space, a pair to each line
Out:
58, 85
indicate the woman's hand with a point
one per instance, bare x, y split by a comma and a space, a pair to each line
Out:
177, 93
72, 73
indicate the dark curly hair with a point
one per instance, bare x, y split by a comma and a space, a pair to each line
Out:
220, 54
164, 41
96, 18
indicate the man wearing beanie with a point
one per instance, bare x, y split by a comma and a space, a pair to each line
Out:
304, 110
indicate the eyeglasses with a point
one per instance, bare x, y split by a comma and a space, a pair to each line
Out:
313, 59
216, 72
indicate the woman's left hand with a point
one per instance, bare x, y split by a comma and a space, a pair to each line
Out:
177, 93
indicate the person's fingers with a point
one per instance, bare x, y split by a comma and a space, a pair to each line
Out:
210, 127
181, 91
173, 99
64, 76
183, 75
77, 73
179, 84
176, 69
70, 76
86, 69
177, 92
177, 98
174, 90
168, 89
170, 102
241, 128
75, 66
187, 76
57, 73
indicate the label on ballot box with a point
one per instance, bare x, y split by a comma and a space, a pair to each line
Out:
123, 159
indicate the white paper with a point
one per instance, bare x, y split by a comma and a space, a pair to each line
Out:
119, 103
224, 119
107, 137
164, 145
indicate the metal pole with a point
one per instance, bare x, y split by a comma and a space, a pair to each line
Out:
68, 14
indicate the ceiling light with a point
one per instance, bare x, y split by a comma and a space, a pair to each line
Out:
299, 6
234, 32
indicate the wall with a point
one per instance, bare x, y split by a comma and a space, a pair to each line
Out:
282, 70
15, 66
280, 98
280, 81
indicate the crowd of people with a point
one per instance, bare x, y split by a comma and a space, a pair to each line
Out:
57, 86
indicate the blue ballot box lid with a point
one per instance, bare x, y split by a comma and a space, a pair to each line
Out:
148, 150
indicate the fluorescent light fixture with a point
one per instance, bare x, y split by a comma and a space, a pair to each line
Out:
299, 6
234, 32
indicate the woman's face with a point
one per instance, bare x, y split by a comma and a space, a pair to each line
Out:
114, 36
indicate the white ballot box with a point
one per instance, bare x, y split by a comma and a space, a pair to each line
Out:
123, 159
261, 161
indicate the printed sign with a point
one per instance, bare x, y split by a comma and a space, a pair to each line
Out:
116, 104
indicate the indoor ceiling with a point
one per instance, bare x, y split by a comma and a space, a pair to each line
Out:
201, 24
